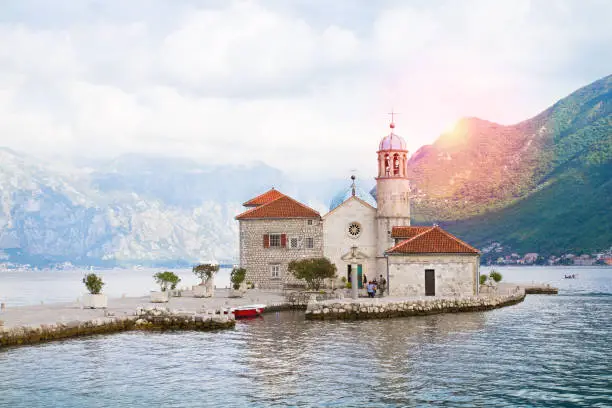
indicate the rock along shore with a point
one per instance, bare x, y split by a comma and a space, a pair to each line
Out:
145, 318
349, 309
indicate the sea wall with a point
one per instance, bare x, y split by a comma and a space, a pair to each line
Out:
387, 308
150, 318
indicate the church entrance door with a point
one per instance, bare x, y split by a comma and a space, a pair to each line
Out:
359, 275
430, 282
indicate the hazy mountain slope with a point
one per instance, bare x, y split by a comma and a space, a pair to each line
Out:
133, 209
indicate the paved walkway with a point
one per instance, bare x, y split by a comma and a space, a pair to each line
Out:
68, 312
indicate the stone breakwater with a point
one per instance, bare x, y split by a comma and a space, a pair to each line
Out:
149, 318
397, 307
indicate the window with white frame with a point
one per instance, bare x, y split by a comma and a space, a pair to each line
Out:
310, 242
275, 240
275, 271
294, 242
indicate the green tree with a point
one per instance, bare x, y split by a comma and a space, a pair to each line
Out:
205, 271
166, 279
93, 283
313, 271
237, 276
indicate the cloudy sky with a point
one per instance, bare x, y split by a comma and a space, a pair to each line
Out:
302, 85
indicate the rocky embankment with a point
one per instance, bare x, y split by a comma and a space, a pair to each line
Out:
149, 318
348, 309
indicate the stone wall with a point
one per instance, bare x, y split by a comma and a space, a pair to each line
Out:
455, 274
150, 318
257, 260
385, 308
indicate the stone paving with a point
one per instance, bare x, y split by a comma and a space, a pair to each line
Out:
53, 313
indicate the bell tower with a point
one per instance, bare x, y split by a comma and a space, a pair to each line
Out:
392, 191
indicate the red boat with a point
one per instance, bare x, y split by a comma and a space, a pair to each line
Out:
248, 311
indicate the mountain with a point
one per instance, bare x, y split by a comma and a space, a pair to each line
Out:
132, 210
542, 185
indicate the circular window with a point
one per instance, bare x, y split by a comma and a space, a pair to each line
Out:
354, 229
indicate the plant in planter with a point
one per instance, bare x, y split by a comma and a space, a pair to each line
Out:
496, 276
483, 279
237, 276
94, 299
206, 273
166, 280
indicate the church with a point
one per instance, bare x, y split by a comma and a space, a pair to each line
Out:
366, 235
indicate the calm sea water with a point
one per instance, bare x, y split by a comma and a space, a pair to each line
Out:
551, 351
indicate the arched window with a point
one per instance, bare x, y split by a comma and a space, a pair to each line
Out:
396, 165
387, 167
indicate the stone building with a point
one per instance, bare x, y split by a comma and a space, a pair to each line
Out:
366, 235
275, 230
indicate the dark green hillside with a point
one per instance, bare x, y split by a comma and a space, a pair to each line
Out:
573, 214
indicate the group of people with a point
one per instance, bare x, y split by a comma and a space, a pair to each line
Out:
374, 285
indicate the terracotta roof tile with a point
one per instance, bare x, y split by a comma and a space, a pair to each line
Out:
408, 232
281, 207
433, 240
264, 198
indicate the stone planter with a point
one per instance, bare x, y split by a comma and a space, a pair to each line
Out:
98, 301
159, 297
233, 293
200, 291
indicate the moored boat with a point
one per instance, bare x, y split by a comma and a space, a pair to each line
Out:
248, 310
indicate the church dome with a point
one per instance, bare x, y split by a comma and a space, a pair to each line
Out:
345, 194
392, 142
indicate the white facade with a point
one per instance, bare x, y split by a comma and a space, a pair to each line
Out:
352, 224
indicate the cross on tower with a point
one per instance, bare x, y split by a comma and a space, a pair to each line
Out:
392, 113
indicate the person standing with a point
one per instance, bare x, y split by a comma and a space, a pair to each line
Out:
370, 289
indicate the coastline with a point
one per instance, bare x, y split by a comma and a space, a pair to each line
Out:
35, 324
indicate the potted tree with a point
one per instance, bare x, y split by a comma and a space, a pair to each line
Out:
237, 276
94, 300
206, 273
166, 280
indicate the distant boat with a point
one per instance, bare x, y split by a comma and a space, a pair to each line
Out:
248, 311
572, 276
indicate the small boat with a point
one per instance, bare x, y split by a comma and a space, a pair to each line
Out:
248, 311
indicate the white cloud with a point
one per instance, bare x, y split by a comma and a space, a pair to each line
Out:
304, 91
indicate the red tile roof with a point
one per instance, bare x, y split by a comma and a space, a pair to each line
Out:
433, 240
264, 198
282, 207
408, 232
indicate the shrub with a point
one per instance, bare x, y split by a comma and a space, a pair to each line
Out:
483, 279
166, 279
250, 285
237, 277
313, 271
343, 279
348, 285
93, 283
496, 276
205, 271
